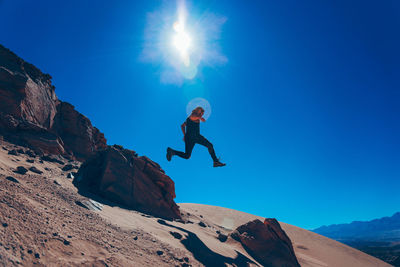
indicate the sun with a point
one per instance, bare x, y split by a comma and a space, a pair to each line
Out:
182, 42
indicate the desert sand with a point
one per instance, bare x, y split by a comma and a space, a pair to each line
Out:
41, 224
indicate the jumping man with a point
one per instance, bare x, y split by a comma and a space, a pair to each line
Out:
192, 136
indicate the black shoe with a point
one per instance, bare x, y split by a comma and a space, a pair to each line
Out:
169, 153
218, 164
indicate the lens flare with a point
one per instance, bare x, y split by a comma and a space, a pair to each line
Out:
182, 41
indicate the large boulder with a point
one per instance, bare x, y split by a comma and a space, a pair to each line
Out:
119, 175
267, 243
31, 114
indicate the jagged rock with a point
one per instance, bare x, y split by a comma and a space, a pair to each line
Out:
35, 170
26, 92
31, 114
77, 132
267, 243
137, 182
30, 160
21, 170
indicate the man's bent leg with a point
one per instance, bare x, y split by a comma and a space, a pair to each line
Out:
203, 141
189, 144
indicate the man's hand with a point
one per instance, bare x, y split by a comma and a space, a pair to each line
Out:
202, 119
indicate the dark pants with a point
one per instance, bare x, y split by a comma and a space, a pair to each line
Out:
190, 141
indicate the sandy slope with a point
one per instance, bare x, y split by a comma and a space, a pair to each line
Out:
41, 225
311, 249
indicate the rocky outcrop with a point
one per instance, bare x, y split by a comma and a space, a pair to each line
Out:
267, 243
139, 183
80, 138
25, 92
31, 115
40, 139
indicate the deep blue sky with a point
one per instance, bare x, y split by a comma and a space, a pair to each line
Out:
305, 112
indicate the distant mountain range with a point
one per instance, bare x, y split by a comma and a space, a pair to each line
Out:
379, 238
383, 229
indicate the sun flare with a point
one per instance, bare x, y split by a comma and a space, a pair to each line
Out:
182, 42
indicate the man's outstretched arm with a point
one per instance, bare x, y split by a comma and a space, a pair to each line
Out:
183, 129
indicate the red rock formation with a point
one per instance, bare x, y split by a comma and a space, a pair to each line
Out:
25, 92
77, 132
121, 176
31, 114
267, 243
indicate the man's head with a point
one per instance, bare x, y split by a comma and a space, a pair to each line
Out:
198, 112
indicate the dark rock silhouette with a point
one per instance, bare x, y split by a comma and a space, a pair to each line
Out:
20, 170
267, 243
119, 175
204, 254
31, 114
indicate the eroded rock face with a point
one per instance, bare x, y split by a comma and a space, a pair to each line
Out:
31, 115
25, 92
119, 175
79, 136
267, 243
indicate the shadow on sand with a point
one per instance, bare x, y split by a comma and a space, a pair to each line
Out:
192, 242
205, 255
